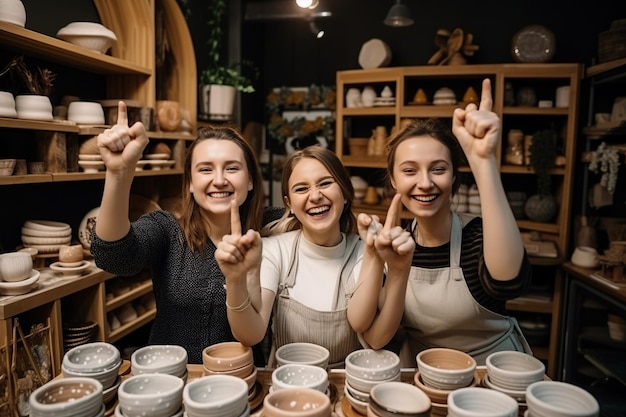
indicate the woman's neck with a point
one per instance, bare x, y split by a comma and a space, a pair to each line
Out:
433, 231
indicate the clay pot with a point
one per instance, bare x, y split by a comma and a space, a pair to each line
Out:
169, 115
541, 208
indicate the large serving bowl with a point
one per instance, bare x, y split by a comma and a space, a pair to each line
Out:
295, 375
154, 395
300, 402
166, 359
445, 368
67, 397
514, 370
15, 266
215, 396
226, 356
372, 364
89, 35
473, 401
399, 399
303, 353
560, 399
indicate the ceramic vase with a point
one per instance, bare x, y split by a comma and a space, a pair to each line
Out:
368, 95
13, 11
541, 208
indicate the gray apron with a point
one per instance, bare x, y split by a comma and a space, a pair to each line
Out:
441, 312
295, 322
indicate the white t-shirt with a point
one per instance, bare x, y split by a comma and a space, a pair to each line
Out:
318, 273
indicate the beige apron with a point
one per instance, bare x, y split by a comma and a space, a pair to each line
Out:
295, 322
441, 312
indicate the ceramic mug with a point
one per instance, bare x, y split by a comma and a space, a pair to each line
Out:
585, 256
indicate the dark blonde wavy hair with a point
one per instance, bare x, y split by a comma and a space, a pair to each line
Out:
250, 212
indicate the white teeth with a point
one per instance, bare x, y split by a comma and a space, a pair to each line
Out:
219, 195
425, 199
318, 210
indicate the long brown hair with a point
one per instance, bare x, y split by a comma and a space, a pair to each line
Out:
347, 221
250, 212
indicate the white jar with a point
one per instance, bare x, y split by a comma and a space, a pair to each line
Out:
368, 95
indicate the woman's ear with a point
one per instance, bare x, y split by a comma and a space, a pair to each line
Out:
286, 202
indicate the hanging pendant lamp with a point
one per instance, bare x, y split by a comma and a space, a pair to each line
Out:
399, 15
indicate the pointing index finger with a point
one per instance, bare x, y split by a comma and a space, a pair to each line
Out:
486, 100
235, 222
122, 115
393, 214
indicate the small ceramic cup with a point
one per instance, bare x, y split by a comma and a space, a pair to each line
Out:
15, 266
585, 256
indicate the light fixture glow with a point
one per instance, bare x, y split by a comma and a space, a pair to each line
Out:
319, 34
399, 15
307, 4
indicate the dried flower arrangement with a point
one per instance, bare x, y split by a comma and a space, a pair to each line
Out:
605, 160
39, 82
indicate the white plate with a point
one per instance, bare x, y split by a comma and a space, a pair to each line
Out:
72, 271
160, 164
152, 156
20, 287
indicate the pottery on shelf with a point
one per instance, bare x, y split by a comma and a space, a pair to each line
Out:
33, 107
13, 11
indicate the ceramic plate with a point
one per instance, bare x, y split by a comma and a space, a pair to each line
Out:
20, 287
534, 43
70, 272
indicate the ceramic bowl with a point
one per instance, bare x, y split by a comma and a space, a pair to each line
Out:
372, 364
36, 240
358, 403
13, 11
296, 375
300, 402
7, 101
560, 399
155, 395
33, 107
215, 396
242, 372
71, 253
67, 397
15, 266
439, 396
445, 368
167, 359
7, 166
47, 226
366, 385
89, 35
106, 377
85, 112
514, 370
226, 356
303, 353
355, 393
474, 401
399, 399
91, 357
585, 256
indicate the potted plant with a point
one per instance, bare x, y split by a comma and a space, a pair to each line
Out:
542, 206
219, 82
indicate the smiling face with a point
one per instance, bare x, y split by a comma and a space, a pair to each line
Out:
423, 174
316, 200
219, 172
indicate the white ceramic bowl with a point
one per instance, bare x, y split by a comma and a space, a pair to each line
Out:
155, 395
15, 266
215, 396
7, 101
303, 353
397, 399
474, 401
85, 112
89, 35
47, 226
33, 107
513, 370
107, 377
560, 399
67, 397
585, 256
37, 240
91, 357
372, 364
366, 385
20, 287
166, 359
358, 403
445, 368
12, 11
296, 375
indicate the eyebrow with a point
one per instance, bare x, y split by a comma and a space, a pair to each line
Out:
301, 183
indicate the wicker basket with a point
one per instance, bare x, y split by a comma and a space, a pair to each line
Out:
612, 43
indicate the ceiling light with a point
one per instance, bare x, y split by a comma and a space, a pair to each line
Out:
307, 4
399, 15
319, 34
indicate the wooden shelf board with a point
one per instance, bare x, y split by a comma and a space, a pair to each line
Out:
127, 328
364, 161
55, 126
370, 111
531, 303
65, 53
538, 111
142, 289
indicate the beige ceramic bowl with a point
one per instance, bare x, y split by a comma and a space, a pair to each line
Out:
71, 253
89, 35
15, 266
399, 399
67, 397
513, 370
242, 372
445, 368
298, 402
439, 396
303, 353
226, 356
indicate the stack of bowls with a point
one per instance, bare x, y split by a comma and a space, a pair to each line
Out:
100, 361
216, 396
154, 395
46, 236
559, 399
475, 401
17, 275
398, 399
301, 402
366, 368
510, 372
160, 359
295, 375
441, 371
302, 353
233, 359
67, 397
